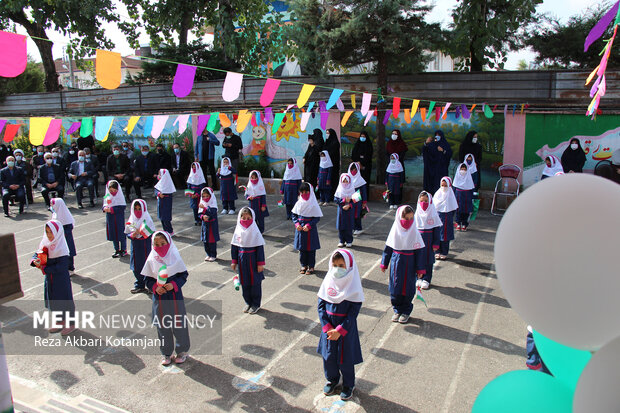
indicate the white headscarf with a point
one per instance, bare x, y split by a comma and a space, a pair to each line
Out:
343, 191
198, 177
309, 208
225, 170
247, 237
57, 247
212, 203
358, 180
463, 182
325, 162
349, 288
255, 190
61, 212
402, 239
172, 260
394, 166
136, 222
165, 184
114, 200
556, 166
445, 201
472, 168
427, 219
292, 174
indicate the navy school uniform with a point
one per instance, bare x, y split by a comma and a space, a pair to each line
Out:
431, 242
256, 204
115, 227
357, 208
170, 304
248, 259
210, 233
394, 182
344, 221
164, 211
228, 192
447, 231
466, 206
193, 202
534, 361
306, 242
325, 185
340, 356
290, 191
71, 244
404, 265
57, 291
140, 250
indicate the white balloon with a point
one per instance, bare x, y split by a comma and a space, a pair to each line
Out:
597, 388
556, 257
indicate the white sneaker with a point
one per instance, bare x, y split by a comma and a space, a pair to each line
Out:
340, 245
356, 232
231, 212
425, 285
224, 211
349, 244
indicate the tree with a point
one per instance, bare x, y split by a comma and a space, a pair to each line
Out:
390, 34
522, 65
31, 81
560, 46
83, 20
484, 30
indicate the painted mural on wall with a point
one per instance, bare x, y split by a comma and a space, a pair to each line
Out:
490, 135
551, 134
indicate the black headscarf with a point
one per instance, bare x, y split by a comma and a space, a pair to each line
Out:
362, 148
573, 160
468, 146
317, 136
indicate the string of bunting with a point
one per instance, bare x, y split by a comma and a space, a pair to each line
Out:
108, 75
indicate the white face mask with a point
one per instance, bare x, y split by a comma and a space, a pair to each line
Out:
18, 158
474, 140
574, 146
394, 136
462, 173
444, 188
437, 138
49, 161
338, 272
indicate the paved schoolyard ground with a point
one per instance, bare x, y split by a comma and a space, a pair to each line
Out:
438, 362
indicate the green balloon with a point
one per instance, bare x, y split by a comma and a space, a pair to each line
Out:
524, 391
565, 363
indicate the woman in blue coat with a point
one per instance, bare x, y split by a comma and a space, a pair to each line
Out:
429, 224
210, 233
345, 216
139, 228
403, 254
257, 196
290, 185
52, 259
228, 191
340, 300
114, 207
195, 182
61, 213
325, 174
306, 216
446, 205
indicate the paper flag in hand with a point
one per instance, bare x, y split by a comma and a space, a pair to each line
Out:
386, 195
107, 198
357, 196
280, 204
418, 296
236, 282
145, 230
162, 275
189, 192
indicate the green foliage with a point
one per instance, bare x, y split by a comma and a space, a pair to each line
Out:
560, 46
22, 141
485, 30
251, 163
31, 81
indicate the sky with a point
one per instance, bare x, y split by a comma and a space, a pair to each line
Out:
562, 9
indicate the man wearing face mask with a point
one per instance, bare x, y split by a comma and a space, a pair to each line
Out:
13, 182
119, 168
83, 174
436, 154
145, 170
37, 162
128, 150
164, 160
205, 154
94, 160
52, 179
471, 145
232, 145
21, 162
180, 167
59, 160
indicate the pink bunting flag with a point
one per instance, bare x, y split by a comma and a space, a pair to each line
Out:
53, 131
369, 115
183, 80
181, 120
159, 123
305, 117
255, 120
232, 86
339, 105
14, 54
269, 91
366, 98
11, 131
386, 118
75, 126
445, 110
396, 107
202, 123
2, 123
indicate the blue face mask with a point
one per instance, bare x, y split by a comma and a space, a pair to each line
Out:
40, 153
10, 164
177, 150
363, 138
116, 152
81, 158
145, 153
338, 272
437, 138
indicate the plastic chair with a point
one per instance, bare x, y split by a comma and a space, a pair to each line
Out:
506, 189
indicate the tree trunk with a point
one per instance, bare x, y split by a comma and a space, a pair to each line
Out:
382, 79
186, 21
475, 64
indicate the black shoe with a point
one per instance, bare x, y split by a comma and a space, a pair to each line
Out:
246, 309
116, 254
254, 310
138, 290
196, 223
123, 253
329, 388
347, 393
92, 204
80, 206
6, 214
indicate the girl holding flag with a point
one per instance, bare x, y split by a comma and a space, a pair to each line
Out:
428, 223
255, 193
114, 207
210, 234
61, 213
165, 192
446, 205
195, 182
139, 229
165, 274
325, 173
306, 215
228, 192
359, 184
344, 217
290, 185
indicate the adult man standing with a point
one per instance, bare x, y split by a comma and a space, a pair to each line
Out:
164, 160
52, 179
119, 168
82, 172
205, 154
94, 160
13, 184
180, 166
232, 145
145, 170
21, 162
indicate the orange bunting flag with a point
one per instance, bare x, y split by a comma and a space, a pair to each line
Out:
224, 120
108, 69
396, 107
346, 117
423, 114
407, 116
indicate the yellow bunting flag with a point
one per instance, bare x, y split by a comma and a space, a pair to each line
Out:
407, 116
133, 121
38, 129
304, 95
353, 100
414, 107
243, 120
224, 120
522, 107
108, 68
346, 117
592, 75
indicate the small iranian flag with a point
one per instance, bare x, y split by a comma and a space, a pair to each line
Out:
280, 203
107, 199
145, 230
357, 196
162, 276
386, 195
189, 192
418, 296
